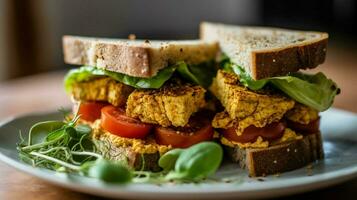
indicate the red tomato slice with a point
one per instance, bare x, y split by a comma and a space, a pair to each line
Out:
199, 129
116, 122
270, 132
90, 111
312, 127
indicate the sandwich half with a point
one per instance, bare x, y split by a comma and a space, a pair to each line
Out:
141, 97
270, 117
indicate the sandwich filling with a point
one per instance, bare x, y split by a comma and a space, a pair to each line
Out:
144, 115
262, 113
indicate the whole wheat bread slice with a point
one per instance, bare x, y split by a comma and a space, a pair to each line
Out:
267, 52
278, 158
140, 58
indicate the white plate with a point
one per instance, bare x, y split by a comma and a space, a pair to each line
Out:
340, 139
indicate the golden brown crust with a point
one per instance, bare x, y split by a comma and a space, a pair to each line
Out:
244, 106
171, 105
135, 58
279, 158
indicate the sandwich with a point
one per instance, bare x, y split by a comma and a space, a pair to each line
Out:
269, 122
141, 98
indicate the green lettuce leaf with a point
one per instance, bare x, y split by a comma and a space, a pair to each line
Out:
86, 73
201, 74
197, 74
313, 90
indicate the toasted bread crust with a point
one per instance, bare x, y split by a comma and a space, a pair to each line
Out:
135, 58
266, 61
279, 158
280, 62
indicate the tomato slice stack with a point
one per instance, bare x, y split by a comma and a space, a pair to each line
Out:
116, 122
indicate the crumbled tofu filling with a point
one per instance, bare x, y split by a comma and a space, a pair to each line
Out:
245, 107
302, 114
102, 89
171, 105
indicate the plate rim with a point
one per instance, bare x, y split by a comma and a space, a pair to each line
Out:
324, 180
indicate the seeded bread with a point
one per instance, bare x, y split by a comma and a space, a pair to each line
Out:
278, 158
135, 57
267, 52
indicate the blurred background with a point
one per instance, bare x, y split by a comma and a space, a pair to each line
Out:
31, 32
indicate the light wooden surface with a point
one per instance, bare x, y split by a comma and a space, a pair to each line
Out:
45, 92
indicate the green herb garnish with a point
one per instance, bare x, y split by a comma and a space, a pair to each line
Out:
66, 146
194, 163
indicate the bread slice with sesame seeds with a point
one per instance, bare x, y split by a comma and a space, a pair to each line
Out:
139, 58
278, 158
267, 52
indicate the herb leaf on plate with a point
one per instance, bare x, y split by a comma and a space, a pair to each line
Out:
196, 162
67, 147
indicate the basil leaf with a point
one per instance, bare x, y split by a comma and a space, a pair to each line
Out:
313, 90
108, 171
197, 162
39, 131
168, 160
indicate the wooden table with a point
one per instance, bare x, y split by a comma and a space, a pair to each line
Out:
45, 92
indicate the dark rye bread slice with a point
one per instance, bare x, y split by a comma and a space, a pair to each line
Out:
267, 52
139, 58
278, 158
